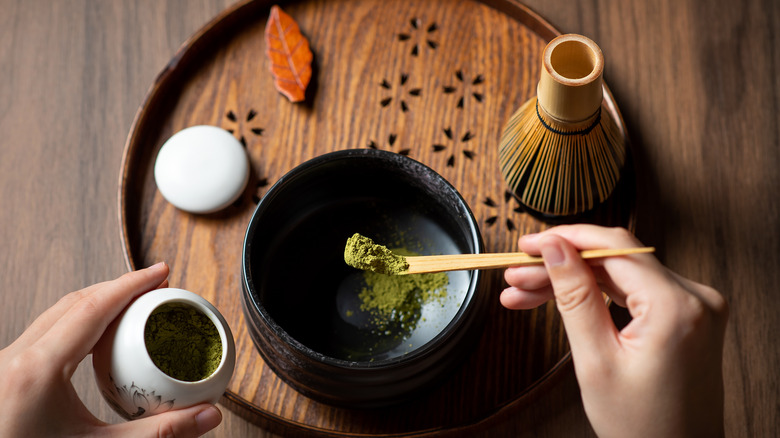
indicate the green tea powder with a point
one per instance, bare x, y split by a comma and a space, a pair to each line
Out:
399, 298
183, 342
392, 299
361, 252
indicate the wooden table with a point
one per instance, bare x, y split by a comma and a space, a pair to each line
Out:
696, 82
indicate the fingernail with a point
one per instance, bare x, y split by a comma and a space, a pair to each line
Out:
156, 266
208, 419
552, 253
530, 237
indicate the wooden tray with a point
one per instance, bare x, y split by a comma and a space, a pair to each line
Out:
435, 80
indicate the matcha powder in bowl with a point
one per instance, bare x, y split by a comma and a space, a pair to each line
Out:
183, 342
388, 297
399, 298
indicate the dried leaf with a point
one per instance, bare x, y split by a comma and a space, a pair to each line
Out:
289, 55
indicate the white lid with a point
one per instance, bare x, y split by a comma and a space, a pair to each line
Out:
201, 169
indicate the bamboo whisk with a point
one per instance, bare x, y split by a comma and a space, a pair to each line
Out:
561, 152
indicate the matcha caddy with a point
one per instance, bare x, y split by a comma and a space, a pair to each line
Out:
169, 349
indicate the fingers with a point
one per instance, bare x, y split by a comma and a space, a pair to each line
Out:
72, 336
586, 319
184, 423
518, 299
46, 320
530, 278
615, 273
583, 237
530, 286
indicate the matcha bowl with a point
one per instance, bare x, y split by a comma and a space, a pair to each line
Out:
314, 319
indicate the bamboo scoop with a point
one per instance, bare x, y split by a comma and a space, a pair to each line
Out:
457, 262
362, 253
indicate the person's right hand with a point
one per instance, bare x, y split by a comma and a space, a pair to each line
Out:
659, 376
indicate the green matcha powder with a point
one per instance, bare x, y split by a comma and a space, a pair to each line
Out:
391, 298
183, 342
362, 253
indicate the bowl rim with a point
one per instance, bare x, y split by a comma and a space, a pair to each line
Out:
419, 353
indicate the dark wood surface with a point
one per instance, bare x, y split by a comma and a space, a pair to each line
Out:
697, 83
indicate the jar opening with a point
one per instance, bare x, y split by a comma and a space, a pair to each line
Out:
183, 342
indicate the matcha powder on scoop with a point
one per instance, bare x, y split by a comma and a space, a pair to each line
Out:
388, 296
362, 253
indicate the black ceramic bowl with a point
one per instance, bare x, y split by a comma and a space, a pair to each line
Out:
301, 299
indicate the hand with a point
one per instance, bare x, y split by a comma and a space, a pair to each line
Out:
37, 397
661, 375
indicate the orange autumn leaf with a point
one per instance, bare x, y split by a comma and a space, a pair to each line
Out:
289, 54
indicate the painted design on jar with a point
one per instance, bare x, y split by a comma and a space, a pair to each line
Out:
143, 402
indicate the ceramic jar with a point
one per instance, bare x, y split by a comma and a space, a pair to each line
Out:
129, 379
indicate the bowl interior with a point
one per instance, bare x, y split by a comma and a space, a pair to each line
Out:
301, 284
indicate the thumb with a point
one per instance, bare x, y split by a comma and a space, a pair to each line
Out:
588, 325
183, 423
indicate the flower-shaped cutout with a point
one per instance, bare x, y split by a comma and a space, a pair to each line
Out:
420, 37
233, 119
260, 187
391, 139
507, 221
464, 88
262, 183
465, 138
414, 92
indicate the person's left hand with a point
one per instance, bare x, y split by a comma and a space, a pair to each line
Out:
37, 397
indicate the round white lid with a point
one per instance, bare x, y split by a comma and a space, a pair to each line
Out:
201, 169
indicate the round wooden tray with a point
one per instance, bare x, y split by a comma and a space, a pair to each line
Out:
435, 80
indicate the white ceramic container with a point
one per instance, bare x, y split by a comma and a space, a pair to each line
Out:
128, 378
201, 169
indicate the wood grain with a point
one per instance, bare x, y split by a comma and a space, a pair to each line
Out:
427, 88
696, 82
